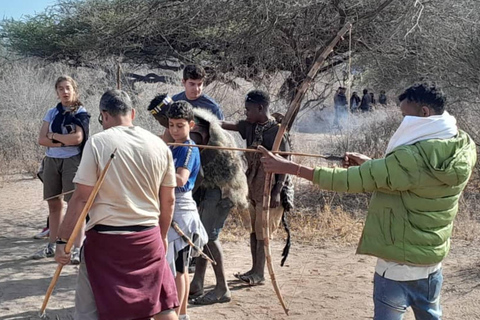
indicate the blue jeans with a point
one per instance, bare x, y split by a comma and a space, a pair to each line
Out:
392, 298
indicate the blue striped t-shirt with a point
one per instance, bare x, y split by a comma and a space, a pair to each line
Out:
189, 158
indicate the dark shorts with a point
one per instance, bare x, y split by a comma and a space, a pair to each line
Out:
213, 211
182, 260
58, 176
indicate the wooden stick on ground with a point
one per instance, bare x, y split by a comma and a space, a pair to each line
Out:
201, 146
76, 230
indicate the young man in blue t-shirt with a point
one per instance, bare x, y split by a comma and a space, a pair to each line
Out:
187, 166
193, 77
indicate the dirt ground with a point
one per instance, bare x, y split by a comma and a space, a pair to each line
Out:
325, 281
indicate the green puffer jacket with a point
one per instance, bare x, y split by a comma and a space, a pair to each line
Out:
415, 200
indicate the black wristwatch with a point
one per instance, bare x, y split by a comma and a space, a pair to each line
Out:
61, 241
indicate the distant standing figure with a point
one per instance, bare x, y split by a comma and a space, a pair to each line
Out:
366, 100
382, 98
372, 96
340, 104
354, 102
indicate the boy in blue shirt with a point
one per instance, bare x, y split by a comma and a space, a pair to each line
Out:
187, 166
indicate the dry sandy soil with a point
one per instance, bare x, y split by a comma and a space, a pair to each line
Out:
320, 281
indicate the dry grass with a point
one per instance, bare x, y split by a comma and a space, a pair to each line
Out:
325, 225
315, 219
466, 228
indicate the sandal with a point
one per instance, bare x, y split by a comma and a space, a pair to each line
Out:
195, 295
211, 298
253, 279
239, 275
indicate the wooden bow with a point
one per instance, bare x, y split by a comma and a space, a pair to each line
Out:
284, 127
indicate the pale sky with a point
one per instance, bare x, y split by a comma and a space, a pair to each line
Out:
17, 8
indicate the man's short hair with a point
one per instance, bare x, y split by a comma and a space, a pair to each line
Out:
426, 94
116, 102
194, 72
365, 91
180, 110
258, 97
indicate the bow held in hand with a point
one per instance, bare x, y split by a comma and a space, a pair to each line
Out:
274, 163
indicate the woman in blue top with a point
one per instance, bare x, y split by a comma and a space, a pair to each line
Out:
64, 132
187, 165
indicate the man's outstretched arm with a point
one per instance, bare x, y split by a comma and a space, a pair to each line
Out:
227, 125
371, 175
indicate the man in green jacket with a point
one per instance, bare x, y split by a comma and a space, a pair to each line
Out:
416, 188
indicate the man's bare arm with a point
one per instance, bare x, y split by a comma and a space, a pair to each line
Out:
74, 209
232, 126
167, 203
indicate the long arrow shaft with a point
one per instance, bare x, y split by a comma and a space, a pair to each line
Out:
59, 195
201, 146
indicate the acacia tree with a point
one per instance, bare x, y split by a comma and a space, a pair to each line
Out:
245, 38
